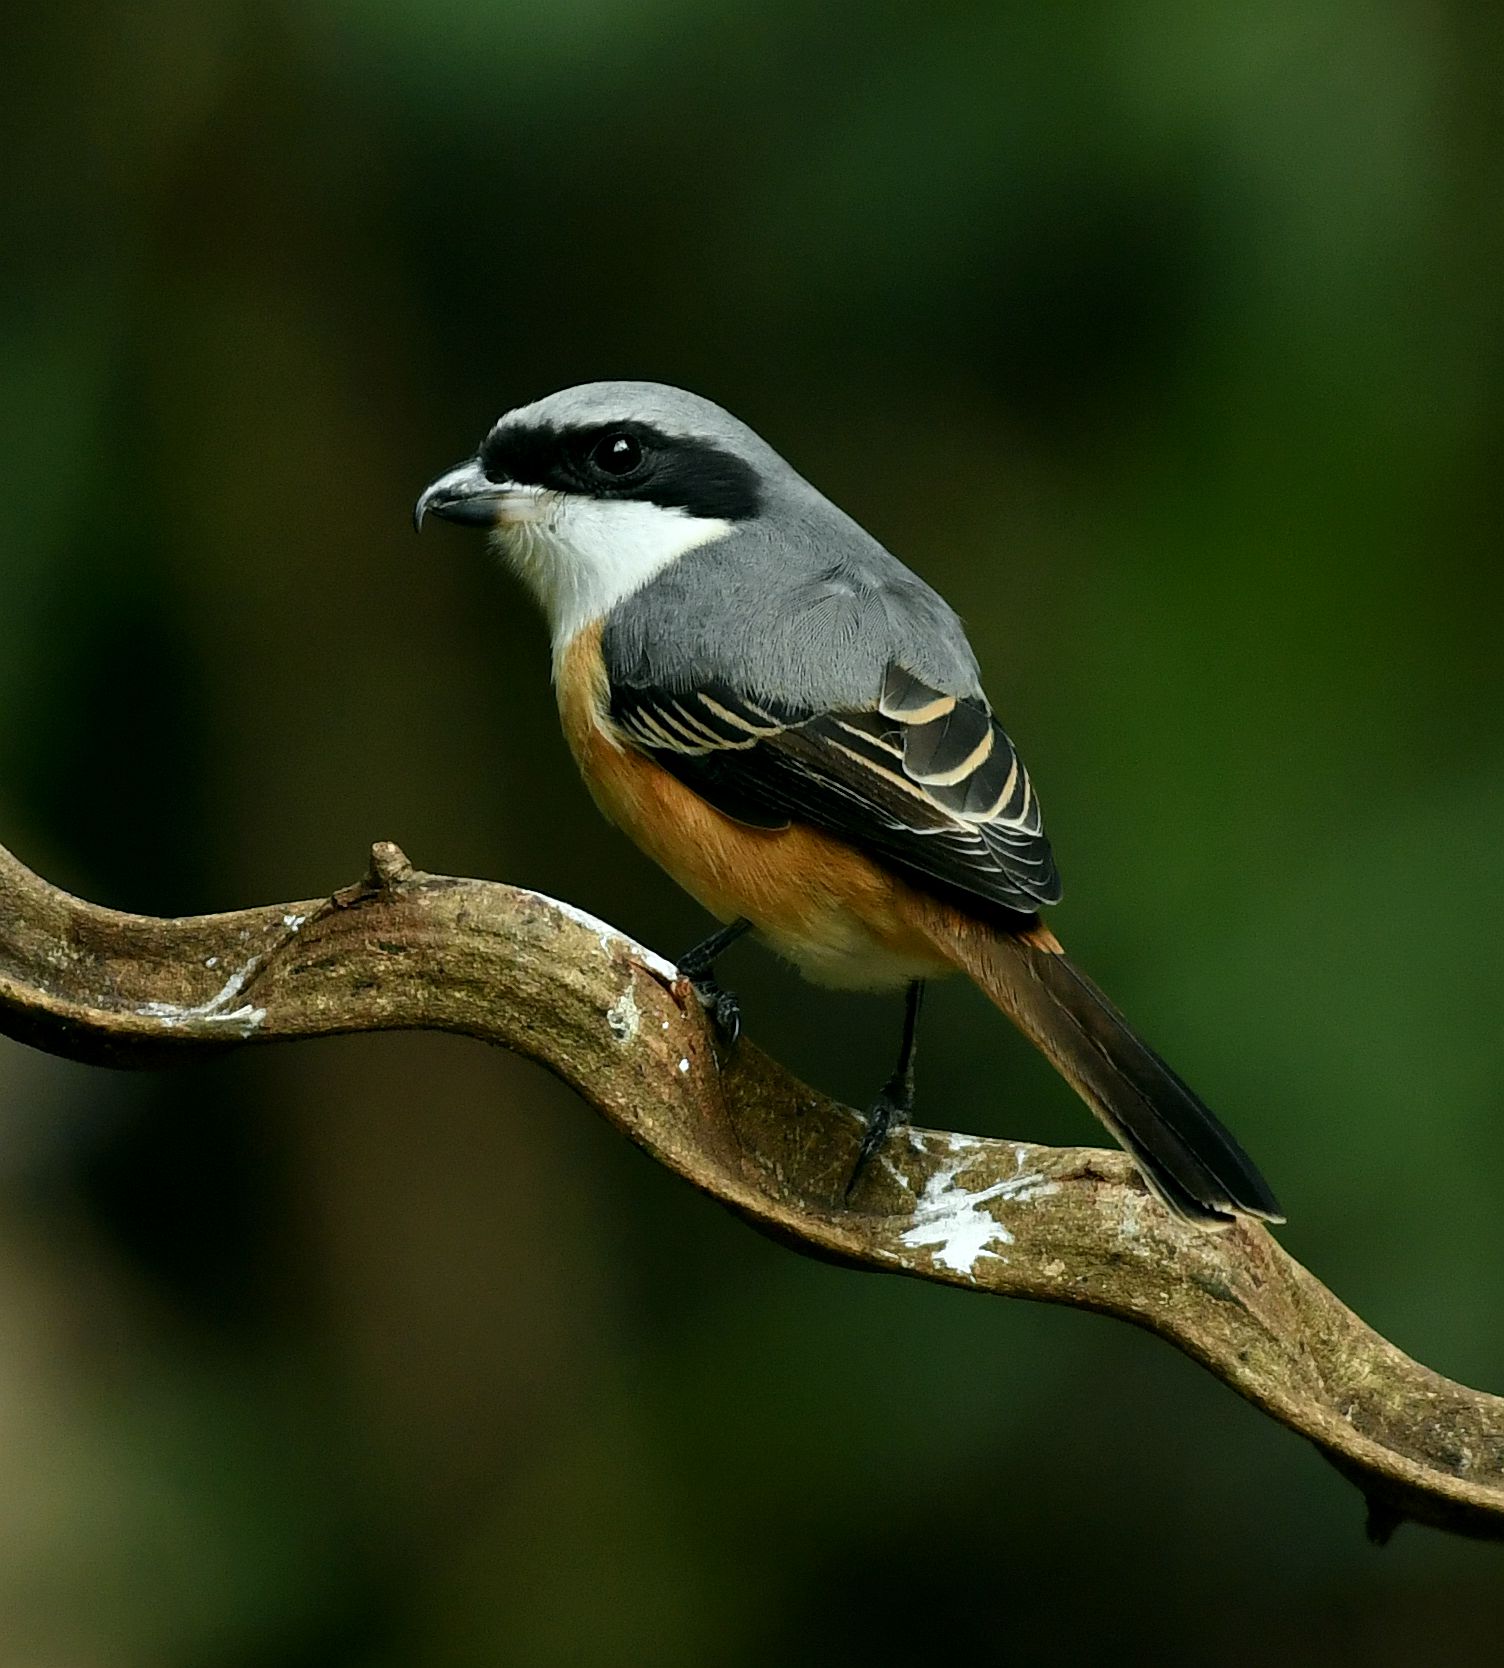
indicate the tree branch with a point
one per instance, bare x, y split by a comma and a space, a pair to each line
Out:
404, 950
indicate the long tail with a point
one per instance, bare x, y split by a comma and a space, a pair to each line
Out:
1184, 1153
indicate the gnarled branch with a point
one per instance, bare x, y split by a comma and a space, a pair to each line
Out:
404, 950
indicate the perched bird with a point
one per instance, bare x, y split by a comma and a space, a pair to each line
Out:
792, 724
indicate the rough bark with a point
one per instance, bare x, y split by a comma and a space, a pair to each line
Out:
405, 950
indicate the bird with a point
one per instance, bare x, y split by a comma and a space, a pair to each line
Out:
791, 723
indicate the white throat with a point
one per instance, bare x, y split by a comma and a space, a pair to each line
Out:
581, 556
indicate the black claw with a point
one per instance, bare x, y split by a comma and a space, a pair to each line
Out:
724, 1008
891, 1110
726, 1016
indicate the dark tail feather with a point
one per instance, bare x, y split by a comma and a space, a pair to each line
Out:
1185, 1154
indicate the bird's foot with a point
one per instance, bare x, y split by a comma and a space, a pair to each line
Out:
696, 966
891, 1110
723, 1007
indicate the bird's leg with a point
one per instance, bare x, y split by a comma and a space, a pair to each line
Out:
697, 964
895, 1102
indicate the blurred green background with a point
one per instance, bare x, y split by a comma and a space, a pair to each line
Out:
1166, 339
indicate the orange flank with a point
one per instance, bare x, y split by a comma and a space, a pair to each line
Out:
841, 917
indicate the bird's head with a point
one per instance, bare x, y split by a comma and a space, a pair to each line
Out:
591, 492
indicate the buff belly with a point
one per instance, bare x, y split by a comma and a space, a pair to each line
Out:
814, 925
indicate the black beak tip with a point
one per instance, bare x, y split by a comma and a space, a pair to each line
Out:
433, 500
464, 495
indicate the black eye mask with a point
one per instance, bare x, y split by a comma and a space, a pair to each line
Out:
626, 460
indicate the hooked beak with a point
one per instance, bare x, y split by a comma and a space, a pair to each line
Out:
467, 495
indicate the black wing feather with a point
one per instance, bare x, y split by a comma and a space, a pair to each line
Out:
928, 782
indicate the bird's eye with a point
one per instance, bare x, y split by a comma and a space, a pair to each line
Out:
617, 454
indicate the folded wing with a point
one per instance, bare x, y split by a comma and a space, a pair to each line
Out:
927, 781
